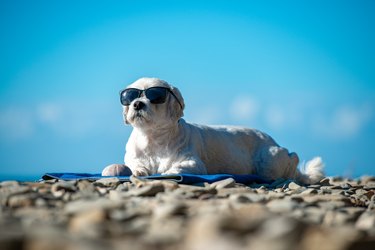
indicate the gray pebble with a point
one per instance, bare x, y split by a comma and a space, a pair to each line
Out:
366, 221
226, 183
294, 186
148, 190
325, 182
108, 182
282, 206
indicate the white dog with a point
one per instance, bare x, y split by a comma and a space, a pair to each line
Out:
163, 143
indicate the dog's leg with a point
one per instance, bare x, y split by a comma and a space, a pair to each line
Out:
276, 162
141, 171
189, 166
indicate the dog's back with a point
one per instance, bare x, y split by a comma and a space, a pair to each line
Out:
228, 149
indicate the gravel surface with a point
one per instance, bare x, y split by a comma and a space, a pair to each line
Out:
336, 213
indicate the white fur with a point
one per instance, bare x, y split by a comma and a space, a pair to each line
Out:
162, 142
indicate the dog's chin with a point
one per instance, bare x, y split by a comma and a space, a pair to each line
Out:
139, 119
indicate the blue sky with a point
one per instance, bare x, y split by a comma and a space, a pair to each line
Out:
302, 71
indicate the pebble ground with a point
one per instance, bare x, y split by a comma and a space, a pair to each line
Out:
335, 213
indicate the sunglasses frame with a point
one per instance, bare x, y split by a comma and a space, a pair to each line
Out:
141, 91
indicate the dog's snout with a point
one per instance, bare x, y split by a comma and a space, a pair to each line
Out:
138, 105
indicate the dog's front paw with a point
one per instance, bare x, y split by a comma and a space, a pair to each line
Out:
172, 172
140, 172
116, 170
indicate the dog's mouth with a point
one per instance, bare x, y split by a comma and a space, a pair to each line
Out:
139, 117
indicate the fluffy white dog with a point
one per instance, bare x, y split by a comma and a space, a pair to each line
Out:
163, 143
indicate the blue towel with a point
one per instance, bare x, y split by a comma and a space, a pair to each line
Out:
180, 178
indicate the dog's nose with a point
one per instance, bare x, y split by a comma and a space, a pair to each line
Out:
138, 105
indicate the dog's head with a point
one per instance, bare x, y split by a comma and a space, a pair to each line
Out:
151, 102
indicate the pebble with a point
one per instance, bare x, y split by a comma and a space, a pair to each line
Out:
366, 221
294, 186
226, 183
325, 182
148, 190
108, 182
59, 189
247, 197
309, 191
87, 223
22, 200
282, 205
335, 213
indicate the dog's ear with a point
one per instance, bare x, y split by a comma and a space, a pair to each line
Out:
176, 107
125, 110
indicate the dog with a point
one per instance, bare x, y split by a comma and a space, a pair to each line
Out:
163, 143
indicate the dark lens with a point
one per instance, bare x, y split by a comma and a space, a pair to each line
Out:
128, 95
156, 95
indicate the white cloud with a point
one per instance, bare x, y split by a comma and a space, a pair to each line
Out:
16, 123
72, 119
345, 122
244, 108
275, 117
49, 112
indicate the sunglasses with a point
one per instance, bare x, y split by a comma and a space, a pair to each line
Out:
156, 95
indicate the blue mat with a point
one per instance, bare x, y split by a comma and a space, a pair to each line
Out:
180, 178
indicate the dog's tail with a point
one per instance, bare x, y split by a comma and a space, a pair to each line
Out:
311, 172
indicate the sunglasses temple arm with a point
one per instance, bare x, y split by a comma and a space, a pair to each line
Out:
176, 98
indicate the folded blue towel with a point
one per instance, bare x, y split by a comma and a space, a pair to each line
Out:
180, 178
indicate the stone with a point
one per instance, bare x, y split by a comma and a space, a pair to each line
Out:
81, 206
226, 192
336, 218
366, 221
359, 200
60, 188
315, 186
371, 204
148, 190
108, 182
247, 197
275, 195
86, 186
192, 192
365, 179
226, 183
163, 211
309, 191
325, 182
277, 233
116, 170
281, 206
294, 186
204, 232
9, 184
11, 190
332, 238
22, 200
314, 199
314, 215
370, 185
345, 186
88, 222
262, 189
165, 232
140, 182
331, 205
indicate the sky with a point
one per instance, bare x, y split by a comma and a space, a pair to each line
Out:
301, 71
